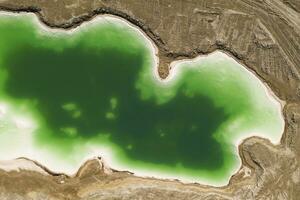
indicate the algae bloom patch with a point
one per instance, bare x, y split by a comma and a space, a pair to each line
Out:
66, 96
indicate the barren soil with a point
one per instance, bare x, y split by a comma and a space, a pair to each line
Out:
264, 35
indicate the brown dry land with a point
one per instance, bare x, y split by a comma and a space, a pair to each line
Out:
262, 34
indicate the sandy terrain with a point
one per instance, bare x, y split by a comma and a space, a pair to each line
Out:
263, 35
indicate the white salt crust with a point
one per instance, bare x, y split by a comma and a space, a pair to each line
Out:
26, 147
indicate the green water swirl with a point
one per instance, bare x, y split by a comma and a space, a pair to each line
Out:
97, 86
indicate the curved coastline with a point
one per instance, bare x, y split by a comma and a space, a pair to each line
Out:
174, 69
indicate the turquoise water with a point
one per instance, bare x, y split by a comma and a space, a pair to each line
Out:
96, 85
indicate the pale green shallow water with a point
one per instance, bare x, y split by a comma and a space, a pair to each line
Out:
67, 96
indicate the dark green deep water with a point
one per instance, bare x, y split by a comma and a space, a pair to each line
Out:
90, 79
93, 82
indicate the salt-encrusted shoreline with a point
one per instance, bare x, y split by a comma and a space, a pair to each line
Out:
19, 164
174, 70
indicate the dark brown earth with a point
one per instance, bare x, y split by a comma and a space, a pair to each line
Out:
262, 34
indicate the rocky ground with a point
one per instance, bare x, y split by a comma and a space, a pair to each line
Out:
262, 34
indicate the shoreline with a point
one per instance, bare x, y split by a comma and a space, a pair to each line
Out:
19, 164
172, 72
175, 69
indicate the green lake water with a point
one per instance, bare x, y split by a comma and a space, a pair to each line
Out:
97, 86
